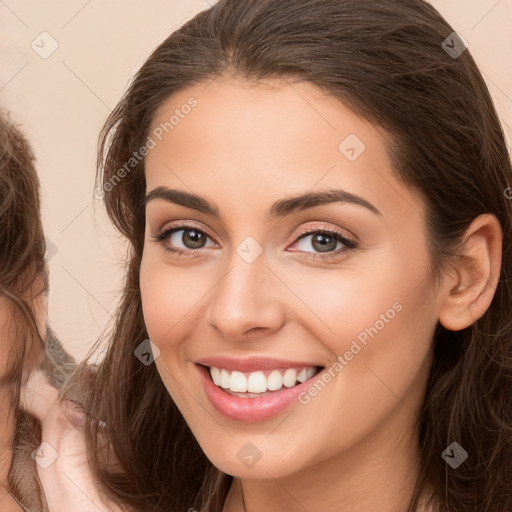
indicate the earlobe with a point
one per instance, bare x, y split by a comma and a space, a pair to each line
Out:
477, 275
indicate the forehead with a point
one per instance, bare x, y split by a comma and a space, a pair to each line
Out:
275, 111
266, 139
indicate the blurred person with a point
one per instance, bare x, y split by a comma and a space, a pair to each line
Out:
33, 362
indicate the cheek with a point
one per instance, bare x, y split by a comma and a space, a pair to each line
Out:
170, 298
40, 309
385, 347
159, 301
342, 306
379, 319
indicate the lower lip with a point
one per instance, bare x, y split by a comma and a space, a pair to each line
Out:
255, 409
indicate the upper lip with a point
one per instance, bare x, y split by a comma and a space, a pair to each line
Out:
250, 364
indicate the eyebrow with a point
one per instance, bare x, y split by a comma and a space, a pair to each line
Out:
280, 208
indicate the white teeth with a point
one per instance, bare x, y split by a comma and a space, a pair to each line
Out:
274, 380
215, 373
257, 382
290, 377
238, 382
302, 375
224, 379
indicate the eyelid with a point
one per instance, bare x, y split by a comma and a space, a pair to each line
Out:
184, 224
322, 227
302, 231
350, 241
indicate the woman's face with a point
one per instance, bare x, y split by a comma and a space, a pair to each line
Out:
267, 291
11, 334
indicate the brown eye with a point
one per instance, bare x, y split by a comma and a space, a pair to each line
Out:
183, 239
324, 243
192, 238
318, 244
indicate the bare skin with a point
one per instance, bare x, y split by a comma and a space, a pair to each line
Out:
67, 482
353, 445
7, 422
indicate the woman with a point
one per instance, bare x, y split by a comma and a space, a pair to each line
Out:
320, 254
23, 282
33, 362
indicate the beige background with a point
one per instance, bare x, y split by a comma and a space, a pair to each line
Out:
61, 102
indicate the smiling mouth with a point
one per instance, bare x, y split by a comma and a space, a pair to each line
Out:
258, 383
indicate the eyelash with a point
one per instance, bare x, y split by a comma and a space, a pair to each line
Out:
347, 242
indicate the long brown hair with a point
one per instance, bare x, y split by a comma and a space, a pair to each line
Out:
22, 265
384, 59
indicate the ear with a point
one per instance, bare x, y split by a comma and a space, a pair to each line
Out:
477, 272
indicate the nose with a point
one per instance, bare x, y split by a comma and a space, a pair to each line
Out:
247, 301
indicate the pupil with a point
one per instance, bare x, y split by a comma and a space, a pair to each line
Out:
193, 238
324, 243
